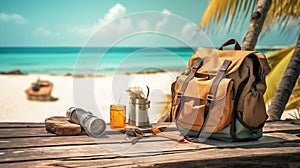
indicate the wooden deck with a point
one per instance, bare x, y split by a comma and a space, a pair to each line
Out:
30, 145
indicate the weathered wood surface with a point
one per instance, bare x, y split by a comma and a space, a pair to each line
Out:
61, 126
30, 145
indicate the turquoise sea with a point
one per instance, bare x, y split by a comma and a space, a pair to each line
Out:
102, 61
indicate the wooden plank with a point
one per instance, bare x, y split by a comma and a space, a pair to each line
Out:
282, 126
4, 125
41, 132
82, 151
237, 157
270, 126
116, 138
35, 132
48, 153
285, 123
37, 137
151, 146
24, 132
31, 142
186, 158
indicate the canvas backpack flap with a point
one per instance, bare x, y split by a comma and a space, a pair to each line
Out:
220, 113
190, 112
211, 59
248, 71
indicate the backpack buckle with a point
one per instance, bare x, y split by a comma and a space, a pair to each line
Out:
179, 95
222, 69
210, 100
210, 97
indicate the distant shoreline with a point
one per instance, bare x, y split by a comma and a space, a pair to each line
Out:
77, 49
88, 75
96, 61
270, 47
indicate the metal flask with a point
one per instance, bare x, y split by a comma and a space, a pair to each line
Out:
138, 111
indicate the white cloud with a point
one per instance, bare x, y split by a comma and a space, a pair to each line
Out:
166, 12
144, 25
187, 29
14, 17
42, 31
124, 24
161, 23
115, 12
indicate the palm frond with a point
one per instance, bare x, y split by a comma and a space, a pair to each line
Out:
284, 13
275, 57
276, 73
229, 10
294, 101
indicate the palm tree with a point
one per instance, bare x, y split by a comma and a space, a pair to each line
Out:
286, 85
265, 15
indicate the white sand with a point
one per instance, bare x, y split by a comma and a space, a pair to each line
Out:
93, 94
104, 91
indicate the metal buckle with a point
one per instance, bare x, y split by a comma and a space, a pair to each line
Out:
179, 95
210, 97
222, 69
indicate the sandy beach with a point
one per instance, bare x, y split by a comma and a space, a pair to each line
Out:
107, 90
72, 92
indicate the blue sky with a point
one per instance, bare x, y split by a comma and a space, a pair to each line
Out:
74, 22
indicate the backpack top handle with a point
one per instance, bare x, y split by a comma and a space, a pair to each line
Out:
229, 42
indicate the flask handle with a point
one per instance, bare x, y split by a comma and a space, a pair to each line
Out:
148, 91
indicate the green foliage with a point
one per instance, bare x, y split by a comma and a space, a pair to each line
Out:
278, 62
285, 13
294, 101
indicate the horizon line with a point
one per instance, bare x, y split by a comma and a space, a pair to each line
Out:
258, 47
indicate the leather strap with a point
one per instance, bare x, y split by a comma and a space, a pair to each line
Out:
211, 96
177, 138
229, 42
197, 64
214, 86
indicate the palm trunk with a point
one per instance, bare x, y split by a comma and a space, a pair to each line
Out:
286, 85
256, 23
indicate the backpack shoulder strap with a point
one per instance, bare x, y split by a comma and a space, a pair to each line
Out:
213, 90
214, 86
198, 63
